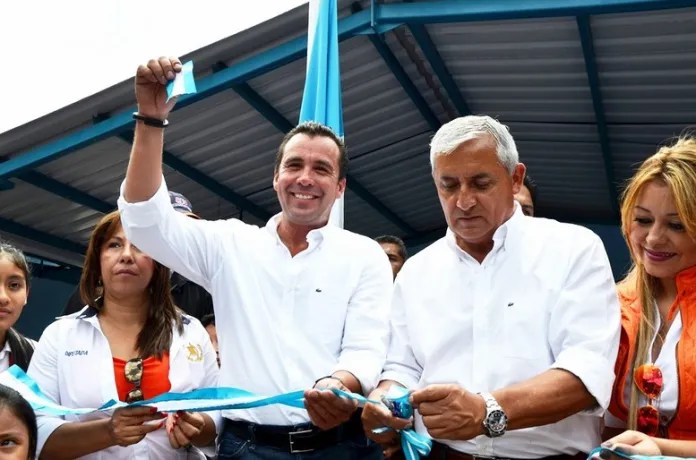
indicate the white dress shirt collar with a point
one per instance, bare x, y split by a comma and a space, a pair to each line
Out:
314, 237
5, 352
504, 236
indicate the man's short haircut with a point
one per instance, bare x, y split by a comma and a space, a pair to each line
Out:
532, 187
314, 129
208, 319
391, 239
453, 134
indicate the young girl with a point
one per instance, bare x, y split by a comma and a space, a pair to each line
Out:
17, 426
14, 291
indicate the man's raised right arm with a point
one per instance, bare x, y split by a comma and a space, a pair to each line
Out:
144, 174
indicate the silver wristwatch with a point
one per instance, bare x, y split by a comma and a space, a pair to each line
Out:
495, 421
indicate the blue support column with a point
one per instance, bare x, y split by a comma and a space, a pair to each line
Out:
431, 53
585, 31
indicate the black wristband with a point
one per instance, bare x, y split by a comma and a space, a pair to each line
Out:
154, 122
328, 377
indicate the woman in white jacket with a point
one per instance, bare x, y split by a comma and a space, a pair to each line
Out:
129, 343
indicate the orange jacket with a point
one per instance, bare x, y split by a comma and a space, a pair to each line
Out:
683, 424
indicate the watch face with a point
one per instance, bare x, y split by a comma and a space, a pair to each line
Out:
496, 422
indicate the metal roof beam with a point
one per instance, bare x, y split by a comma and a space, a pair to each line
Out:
68, 192
585, 31
277, 119
263, 107
357, 23
208, 182
488, 10
431, 53
39, 236
402, 77
212, 84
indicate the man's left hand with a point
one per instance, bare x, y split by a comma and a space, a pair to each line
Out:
327, 410
450, 412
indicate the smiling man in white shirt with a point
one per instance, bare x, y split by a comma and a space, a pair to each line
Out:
507, 328
298, 303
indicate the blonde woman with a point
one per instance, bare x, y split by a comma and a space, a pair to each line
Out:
655, 391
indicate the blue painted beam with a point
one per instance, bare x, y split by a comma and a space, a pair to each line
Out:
380, 207
262, 106
488, 10
66, 191
281, 123
431, 53
585, 31
33, 234
358, 23
402, 77
208, 182
219, 81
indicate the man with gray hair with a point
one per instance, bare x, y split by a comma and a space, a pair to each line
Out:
506, 329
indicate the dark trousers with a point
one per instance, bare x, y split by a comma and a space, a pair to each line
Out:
232, 446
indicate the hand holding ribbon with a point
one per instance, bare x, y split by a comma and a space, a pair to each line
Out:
389, 424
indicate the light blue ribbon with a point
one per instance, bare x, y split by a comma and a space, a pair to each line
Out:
183, 83
413, 444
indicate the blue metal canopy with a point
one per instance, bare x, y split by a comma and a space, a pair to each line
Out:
588, 88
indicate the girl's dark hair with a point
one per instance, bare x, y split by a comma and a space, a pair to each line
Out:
16, 256
10, 399
156, 336
21, 347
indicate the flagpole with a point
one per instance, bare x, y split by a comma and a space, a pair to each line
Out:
321, 100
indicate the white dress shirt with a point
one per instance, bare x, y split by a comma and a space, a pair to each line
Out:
282, 321
666, 361
6, 353
543, 298
73, 366
5, 356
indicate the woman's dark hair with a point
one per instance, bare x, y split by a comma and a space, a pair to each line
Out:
10, 399
156, 336
208, 319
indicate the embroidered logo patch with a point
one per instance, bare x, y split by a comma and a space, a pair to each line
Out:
195, 353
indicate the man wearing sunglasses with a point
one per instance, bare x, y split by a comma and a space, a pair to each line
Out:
505, 330
298, 303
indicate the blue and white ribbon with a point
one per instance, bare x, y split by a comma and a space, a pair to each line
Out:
203, 399
414, 444
183, 83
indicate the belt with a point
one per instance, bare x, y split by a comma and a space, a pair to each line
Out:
443, 452
296, 439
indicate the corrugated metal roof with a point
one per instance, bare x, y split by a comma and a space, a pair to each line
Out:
526, 69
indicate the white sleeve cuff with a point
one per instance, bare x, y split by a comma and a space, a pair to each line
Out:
407, 381
46, 426
145, 213
595, 372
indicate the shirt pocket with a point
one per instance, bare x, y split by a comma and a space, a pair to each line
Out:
525, 339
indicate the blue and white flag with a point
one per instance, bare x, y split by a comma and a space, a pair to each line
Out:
321, 101
183, 83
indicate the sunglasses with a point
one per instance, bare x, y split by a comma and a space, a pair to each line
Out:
648, 379
134, 374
